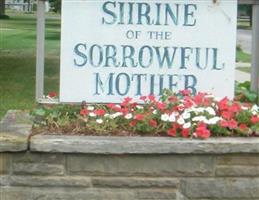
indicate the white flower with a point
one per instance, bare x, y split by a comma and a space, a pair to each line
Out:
199, 119
107, 115
91, 114
255, 110
180, 121
187, 125
172, 118
99, 121
199, 110
129, 116
186, 115
139, 107
214, 120
244, 108
154, 112
117, 114
165, 117
90, 108
211, 111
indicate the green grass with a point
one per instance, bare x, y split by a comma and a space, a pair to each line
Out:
243, 57
17, 60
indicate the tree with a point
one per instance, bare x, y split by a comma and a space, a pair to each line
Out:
55, 5
28, 5
2, 7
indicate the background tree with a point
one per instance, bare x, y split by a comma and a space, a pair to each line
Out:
247, 11
55, 5
2, 7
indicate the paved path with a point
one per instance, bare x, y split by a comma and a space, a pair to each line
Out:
242, 76
244, 39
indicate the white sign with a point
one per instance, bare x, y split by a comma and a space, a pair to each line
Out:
112, 49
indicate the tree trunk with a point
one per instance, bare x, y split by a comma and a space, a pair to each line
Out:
29, 5
2, 7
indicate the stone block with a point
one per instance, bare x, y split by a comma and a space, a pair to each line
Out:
221, 188
127, 182
5, 163
47, 181
141, 165
156, 194
237, 171
238, 159
38, 169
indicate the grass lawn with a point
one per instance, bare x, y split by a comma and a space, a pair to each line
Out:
17, 59
243, 57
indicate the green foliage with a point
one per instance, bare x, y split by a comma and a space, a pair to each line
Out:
55, 5
244, 94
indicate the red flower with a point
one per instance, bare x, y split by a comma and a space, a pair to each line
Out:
133, 123
223, 104
160, 105
223, 123
235, 107
111, 105
153, 123
151, 97
126, 101
185, 92
139, 117
227, 114
100, 112
243, 127
52, 94
84, 112
202, 131
255, 119
173, 99
185, 132
143, 98
172, 132
232, 124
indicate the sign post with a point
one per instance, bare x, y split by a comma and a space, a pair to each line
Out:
255, 50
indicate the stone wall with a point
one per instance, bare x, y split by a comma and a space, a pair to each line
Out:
112, 168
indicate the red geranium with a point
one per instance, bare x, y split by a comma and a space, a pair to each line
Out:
255, 119
139, 117
100, 112
172, 132
185, 132
202, 131
153, 123
84, 112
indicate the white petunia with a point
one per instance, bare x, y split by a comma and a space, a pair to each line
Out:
187, 125
91, 114
139, 107
210, 110
172, 118
129, 116
186, 115
180, 121
255, 110
107, 115
99, 121
154, 112
115, 115
199, 110
199, 119
90, 108
214, 120
165, 117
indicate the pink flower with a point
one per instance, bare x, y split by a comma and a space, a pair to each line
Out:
223, 104
151, 97
227, 114
172, 132
52, 94
232, 124
84, 112
255, 119
160, 105
139, 117
153, 123
185, 92
223, 123
243, 127
185, 132
202, 131
100, 112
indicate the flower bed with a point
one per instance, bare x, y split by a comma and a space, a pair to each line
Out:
175, 115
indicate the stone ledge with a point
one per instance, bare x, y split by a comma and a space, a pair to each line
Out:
141, 145
15, 129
